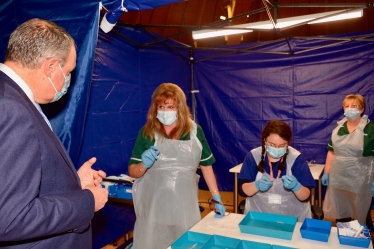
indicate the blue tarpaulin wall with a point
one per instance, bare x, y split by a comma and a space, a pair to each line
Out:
238, 93
81, 20
124, 79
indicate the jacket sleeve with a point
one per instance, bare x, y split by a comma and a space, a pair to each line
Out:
26, 213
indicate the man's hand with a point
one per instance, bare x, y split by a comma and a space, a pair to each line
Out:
88, 176
100, 195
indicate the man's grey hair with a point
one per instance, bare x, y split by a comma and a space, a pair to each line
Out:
37, 40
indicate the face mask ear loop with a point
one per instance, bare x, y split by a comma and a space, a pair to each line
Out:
52, 84
62, 71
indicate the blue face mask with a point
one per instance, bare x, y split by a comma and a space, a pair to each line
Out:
167, 117
64, 89
352, 113
276, 152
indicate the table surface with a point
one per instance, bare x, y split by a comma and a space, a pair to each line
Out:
315, 169
229, 226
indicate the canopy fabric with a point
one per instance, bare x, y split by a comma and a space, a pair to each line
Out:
124, 78
239, 88
304, 89
133, 5
237, 94
81, 20
240, 93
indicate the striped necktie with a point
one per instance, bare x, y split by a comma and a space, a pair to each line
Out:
43, 115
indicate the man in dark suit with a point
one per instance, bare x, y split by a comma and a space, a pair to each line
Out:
44, 201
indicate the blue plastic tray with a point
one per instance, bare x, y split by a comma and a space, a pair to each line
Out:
246, 244
221, 242
124, 192
191, 240
282, 247
270, 225
316, 229
352, 241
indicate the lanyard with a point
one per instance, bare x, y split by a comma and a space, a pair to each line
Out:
271, 168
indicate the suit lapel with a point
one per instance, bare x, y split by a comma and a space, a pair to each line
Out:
51, 135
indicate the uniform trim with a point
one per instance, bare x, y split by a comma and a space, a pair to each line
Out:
136, 159
206, 158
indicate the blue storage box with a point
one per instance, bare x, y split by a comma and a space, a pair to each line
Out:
316, 229
124, 192
111, 187
270, 225
191, 240
282, 247
246, 244
218, 241
352, 241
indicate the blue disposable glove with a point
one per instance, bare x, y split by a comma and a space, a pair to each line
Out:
149, 156
325, 179
220, 208
290, 182
372, 189
263, 184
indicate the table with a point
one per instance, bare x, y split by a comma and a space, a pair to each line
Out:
211, 225
315, 169
120, 200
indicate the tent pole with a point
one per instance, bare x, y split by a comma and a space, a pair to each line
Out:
192, 86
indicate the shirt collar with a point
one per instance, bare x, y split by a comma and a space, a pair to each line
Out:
20, 82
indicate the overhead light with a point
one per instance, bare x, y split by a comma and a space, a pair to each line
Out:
281, 23
309, 19
207, 33
347, 15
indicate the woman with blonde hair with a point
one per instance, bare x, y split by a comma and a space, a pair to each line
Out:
167, 152
349, 165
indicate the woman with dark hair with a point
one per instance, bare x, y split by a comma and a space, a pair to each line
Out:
166, 155
349, 164
275, 177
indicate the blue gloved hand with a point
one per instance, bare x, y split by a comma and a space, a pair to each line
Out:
290, 182
149, 156
220, 208
372, 189
325, 179
263, 184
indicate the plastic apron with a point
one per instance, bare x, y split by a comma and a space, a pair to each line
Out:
278, 200
166, 196
349, 191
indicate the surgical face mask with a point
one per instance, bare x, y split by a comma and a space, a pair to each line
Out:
352, 113
64, 89
276, 152
167, 117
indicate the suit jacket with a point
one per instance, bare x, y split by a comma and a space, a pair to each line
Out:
42, 204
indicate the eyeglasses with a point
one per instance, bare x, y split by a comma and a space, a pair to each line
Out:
352, 106
276, 146
211, 203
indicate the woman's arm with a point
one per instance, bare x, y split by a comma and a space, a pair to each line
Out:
303, 193
249, 188
210, 179
136, 170
329, 159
